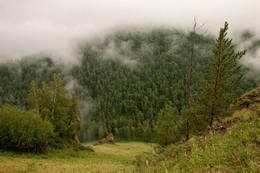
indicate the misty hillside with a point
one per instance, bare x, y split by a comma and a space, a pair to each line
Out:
15, 77
231, 145
123, 80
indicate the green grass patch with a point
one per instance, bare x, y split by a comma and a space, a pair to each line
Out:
105, 158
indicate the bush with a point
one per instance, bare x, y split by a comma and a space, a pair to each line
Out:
23, 130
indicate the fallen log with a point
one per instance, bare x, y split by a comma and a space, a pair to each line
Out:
109, 138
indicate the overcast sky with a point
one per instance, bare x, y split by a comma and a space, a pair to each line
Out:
33, 26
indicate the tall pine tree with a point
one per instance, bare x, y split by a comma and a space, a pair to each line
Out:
223, 77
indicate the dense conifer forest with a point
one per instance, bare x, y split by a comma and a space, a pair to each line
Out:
125, 80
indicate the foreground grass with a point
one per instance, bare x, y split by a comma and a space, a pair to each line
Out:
106, 158
237, 150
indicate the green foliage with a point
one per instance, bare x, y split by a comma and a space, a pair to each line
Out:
23, 130
244, 103
132, 75
53, 104
59, 105
224, 75
15, 77
169, 125
132, 84
248, 98
124, 81
235, 151
198, 119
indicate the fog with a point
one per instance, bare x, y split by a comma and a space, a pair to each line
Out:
55, 27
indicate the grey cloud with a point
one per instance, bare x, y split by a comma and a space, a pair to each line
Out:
120, 52
55, 26
249, 40
75, 90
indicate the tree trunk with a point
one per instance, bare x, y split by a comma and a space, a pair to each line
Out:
109, 138
195, 28
190, 81
191, 59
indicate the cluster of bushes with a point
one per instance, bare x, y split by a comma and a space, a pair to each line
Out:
54, 119
23, 130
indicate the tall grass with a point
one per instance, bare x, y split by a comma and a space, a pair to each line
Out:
238, 150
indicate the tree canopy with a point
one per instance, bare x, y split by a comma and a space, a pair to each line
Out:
24, 130
52, 103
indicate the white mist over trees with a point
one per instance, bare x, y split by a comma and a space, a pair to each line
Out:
29, 27
115, 96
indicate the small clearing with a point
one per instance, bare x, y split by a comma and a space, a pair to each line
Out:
106, 158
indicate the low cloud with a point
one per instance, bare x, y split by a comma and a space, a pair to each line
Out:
55, 26
121, 53
250, 41
75, 90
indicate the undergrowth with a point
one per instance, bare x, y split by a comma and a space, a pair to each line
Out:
237, 150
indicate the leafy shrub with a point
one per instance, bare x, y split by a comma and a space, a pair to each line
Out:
23, 130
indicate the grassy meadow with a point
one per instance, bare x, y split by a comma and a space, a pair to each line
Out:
105, 158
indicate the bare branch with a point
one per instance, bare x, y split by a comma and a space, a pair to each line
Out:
195, 24
200, 26
195, 28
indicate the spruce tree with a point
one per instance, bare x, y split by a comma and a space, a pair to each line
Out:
169, 125
223, 77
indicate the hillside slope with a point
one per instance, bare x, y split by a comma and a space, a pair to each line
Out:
232, 145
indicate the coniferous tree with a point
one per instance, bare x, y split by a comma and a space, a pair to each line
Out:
223, 77
169, 125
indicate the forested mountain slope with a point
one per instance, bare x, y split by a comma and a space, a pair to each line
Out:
127, 77
15, 77
132, 75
